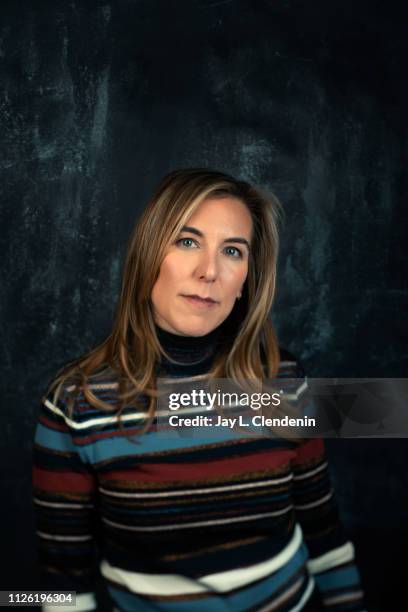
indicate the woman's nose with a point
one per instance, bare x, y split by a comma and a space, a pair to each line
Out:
208, 266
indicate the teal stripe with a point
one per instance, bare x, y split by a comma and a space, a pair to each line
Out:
54, 440
111, 448
339, 578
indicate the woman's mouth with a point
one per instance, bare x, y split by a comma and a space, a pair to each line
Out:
199, 302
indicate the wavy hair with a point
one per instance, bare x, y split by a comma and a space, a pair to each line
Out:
132, 349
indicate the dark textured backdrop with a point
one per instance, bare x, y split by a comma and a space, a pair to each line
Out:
99, 99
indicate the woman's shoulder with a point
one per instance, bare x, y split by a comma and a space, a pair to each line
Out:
71, 400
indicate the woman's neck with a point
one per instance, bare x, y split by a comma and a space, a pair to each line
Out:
193, 354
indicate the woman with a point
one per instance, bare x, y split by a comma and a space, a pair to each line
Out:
236, 523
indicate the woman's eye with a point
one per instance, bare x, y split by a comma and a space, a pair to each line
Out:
236, 253
189, 243
186, 242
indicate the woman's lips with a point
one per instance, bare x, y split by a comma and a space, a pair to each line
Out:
198, 302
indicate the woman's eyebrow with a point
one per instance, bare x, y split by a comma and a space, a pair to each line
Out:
194, 230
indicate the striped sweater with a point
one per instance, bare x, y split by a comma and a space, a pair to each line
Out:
184, 524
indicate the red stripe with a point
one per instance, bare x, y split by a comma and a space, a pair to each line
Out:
52, 424
66, 482
261, 463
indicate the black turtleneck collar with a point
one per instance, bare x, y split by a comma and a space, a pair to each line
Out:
194, 354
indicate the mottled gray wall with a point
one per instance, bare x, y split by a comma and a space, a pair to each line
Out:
99, 99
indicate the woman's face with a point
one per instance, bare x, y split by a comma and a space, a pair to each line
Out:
209, 259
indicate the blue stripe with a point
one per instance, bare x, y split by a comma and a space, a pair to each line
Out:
110, 448
335, 579
265, 589
130, 602
55, 440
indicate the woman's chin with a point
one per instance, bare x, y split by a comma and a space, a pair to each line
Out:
196, 330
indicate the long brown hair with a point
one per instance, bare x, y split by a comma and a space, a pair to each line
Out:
132, 348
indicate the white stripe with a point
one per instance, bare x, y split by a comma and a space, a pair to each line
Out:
133, 416
296, 394
96, 386
273, 605
199, 523
60, 538
83, 602
222, 582
249, 485
305, 596
40, 502
96, 421
311, 472
337, 556
170, 381
320, 501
